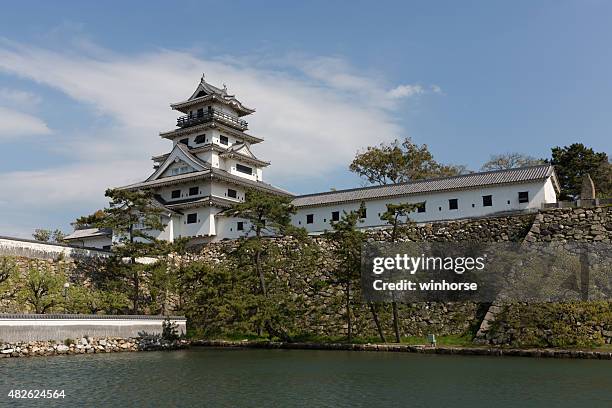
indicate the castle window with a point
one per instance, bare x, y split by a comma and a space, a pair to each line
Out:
453, 204
200, 112
184, 141
223, 140
421, 208
200, 139
487, 201
179, 170
244, 169
523, 196
309, 218
363, 213
240, 226
192, 218
231, 193
176, 194
194, 191
335, 215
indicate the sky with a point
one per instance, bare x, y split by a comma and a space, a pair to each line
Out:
85, 87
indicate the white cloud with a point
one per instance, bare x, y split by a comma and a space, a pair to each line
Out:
14, 124
312, 123
406, 91
436, 89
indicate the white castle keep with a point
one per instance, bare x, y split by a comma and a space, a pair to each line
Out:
211, 166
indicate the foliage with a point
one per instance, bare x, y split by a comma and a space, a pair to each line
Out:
132, 216
8, 272
45, 235
42, 289
169, 330
89, 300
347, 250
398, 216
8, 268
267, 214
571, 324
510, 161
399, 162
217, 300
573, 162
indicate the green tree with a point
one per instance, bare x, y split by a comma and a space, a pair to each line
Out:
58, 236
573, 162
267, 214
8, 271
218, 300
398, 216
510, 161
87, 299
347, 250
399, 162
42, 235
132, 216
42, 288
45, 235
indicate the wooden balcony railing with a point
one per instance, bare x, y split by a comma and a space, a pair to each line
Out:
212, 114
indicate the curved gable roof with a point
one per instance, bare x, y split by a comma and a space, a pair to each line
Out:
179, 152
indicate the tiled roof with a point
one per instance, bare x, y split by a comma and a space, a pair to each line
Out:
89, 232
217, 173
467, 181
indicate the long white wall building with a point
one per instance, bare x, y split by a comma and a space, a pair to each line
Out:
465, 196
211, 166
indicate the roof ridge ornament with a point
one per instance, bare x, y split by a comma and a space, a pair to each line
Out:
203, 76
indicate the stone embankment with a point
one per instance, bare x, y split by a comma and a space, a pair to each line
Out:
87, 345
402, 348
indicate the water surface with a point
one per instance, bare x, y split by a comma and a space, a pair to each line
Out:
203, 377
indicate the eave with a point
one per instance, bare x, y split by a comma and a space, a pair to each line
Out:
202, 201
173, 134
229, 100
245, 158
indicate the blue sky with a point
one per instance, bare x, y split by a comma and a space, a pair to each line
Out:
85, 88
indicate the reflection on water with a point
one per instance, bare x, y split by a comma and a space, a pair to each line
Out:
300, 378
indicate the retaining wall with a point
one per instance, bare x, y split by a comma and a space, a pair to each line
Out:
32, 327
28, 248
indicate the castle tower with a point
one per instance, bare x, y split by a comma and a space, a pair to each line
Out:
210, 167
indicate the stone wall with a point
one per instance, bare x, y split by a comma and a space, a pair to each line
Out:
321, 310
86, 345
572, 224
578, 323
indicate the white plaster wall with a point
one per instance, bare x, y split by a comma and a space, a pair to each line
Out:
230, 167
227, 228
166, 191
219, 189
30, 249
209, 156
92, 242
57, 328
505, 198
204, 225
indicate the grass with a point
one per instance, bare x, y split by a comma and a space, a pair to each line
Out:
452, 340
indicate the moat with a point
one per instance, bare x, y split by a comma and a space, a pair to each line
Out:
302, 378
